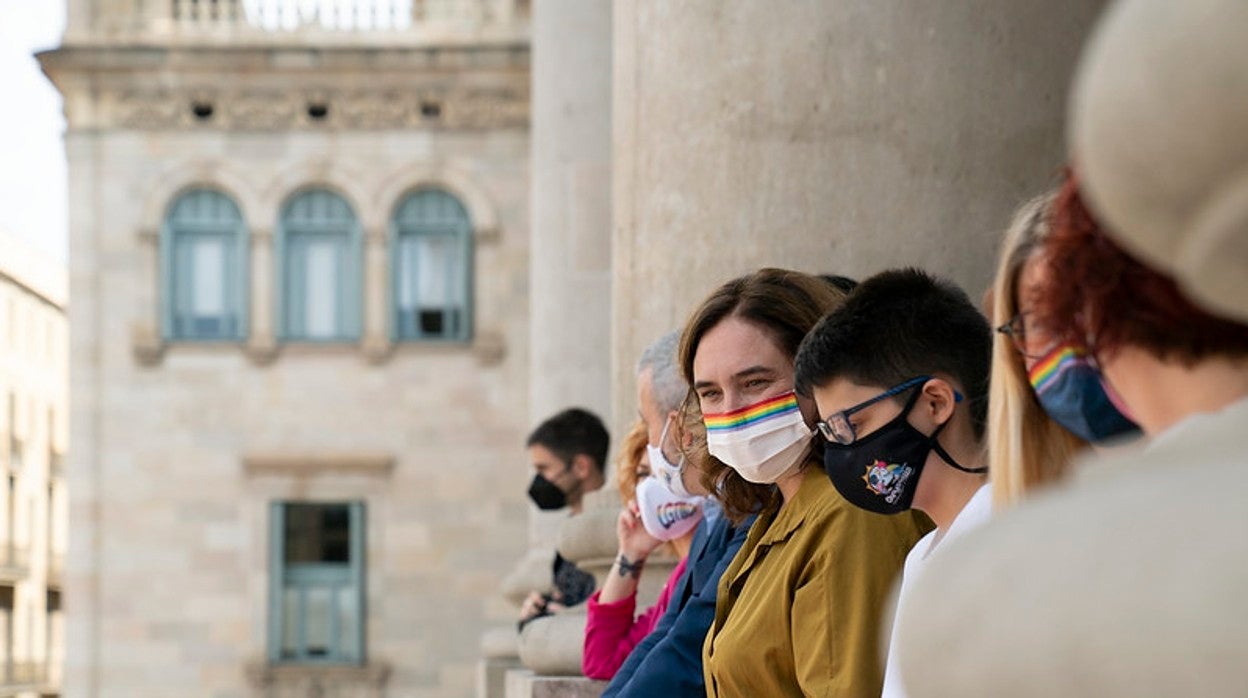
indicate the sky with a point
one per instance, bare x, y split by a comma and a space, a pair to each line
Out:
32, 154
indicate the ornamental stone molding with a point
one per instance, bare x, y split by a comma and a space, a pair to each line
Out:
273, 109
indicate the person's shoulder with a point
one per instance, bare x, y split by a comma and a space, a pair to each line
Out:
1091, 551
837, 529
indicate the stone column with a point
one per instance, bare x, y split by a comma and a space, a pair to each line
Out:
262, 342
376, 342
827, 137
570, 247
570, 243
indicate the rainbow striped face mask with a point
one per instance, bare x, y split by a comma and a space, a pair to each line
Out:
762, 441
1070, 389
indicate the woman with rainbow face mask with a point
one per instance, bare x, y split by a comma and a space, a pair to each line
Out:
1046, 400
790, 618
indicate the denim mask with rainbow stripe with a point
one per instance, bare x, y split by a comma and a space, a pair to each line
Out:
1072, 391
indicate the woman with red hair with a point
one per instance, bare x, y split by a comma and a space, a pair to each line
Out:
1130, 581
1166, 358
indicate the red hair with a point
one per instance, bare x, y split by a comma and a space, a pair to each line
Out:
1099, 295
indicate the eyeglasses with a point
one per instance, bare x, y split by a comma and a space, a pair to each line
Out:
1016, 330
837, 427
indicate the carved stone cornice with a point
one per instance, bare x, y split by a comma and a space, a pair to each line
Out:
267, 109
313, 464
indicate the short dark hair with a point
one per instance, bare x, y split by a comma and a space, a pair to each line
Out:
841, 283
897, 325
572, 432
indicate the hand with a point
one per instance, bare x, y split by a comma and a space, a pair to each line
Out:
635, 543
533, 606
537, 604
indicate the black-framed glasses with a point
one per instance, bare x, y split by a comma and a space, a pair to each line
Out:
837, 427
1016, 330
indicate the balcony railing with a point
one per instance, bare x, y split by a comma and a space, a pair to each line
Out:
324, 20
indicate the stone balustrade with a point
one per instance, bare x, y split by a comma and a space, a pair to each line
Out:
550, 647
269, 21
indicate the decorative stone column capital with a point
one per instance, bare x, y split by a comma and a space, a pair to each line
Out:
262, 350
489, 347
147, 345
487, 235
261, 236
377, 349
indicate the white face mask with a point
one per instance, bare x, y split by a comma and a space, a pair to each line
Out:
665, 515
761, 441
671, 475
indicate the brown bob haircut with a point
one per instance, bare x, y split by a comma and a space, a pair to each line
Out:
784, 304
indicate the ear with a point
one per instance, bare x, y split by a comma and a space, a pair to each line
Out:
582, 466
938, 400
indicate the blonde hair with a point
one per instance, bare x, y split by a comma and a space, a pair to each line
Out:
631, 464
1026, 448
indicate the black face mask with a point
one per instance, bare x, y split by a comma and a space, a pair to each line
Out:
546, 494
880, 471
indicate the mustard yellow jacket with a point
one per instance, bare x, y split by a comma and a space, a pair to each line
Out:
799, 609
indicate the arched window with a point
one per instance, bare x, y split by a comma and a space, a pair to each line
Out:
432, 270
205, 268
320, 268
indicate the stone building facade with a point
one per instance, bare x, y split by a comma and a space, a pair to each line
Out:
34, 419
299, 235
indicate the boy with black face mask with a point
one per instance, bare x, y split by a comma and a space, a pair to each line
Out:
899, 374
567, 453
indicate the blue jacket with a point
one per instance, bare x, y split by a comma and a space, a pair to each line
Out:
668, 661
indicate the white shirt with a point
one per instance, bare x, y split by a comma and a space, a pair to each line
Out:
976, 512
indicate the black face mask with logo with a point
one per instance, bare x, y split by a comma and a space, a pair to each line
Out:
880, 471
546, 494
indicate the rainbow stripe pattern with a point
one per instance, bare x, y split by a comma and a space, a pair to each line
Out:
750, 416
1053, 364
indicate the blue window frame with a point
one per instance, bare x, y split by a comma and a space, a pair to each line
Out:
316, 571
204, 262
431, 268
319, 253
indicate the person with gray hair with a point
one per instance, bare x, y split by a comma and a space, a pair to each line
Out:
657, 514
668, 661
660, 387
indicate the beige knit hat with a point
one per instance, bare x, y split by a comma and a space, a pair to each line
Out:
1159, 131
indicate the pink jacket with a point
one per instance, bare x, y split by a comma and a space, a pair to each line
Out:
611, 632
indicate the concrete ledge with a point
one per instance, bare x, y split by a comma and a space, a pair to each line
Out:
522, 683
330, 681
552, 645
